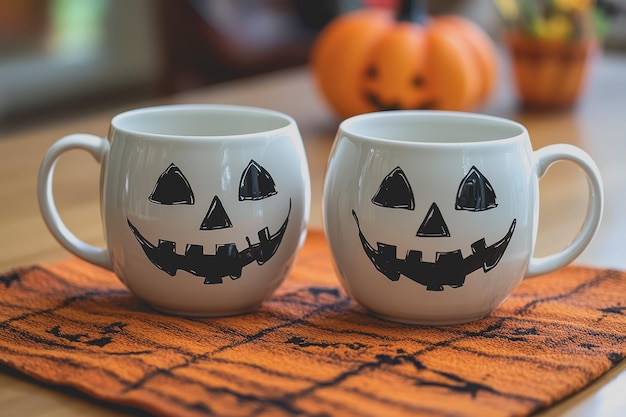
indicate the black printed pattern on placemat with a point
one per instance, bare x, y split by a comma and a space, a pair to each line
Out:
311, 350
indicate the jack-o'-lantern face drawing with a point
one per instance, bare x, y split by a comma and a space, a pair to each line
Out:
474, 194
173, 188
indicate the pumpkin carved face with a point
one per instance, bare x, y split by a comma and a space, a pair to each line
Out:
367, 61
450, 268
172, 188
395, 76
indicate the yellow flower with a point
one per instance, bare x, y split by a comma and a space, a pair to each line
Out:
573, 5
557, 27
508, 9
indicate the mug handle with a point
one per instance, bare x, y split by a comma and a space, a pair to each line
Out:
546, 156
98, 148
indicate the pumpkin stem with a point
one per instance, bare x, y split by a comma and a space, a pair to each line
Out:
413, 11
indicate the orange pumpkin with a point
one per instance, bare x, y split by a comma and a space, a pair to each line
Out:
367, 61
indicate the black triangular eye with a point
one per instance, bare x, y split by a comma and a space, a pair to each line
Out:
395, 191
172, 188
475, 192
256, 183
216, 217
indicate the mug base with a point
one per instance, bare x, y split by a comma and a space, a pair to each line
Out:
428, 321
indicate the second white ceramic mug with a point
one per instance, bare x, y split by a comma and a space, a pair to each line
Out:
432, 217
204, 207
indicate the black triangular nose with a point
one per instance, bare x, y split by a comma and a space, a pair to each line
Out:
433, 224
216, 217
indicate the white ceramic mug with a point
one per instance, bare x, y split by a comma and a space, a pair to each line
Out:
204, 207
432, 216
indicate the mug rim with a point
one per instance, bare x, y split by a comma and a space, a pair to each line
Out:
120, 121
347, 127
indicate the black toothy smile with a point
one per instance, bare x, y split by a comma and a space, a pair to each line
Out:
450, 268
227, 260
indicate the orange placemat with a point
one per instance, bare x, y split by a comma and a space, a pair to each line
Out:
311, 350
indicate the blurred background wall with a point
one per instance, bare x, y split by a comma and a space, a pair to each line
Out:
55, 54
60, 57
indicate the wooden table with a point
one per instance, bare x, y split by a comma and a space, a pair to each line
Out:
597, 125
